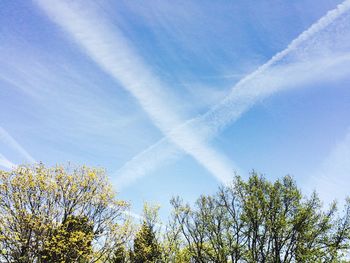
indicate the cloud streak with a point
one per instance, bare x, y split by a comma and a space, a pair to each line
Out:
9, 140
271, 77
4, 162
246, 90
334, 173
106, 45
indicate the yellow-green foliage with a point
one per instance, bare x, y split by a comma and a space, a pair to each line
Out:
58, 215
146, 247
259, 221
66, 215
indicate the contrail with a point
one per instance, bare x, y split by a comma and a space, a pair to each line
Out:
162, 152
8, 139
331, 180
4, 162
109, 49
258, 85
220, 115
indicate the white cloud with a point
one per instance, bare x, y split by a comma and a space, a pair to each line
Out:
268, 79
9, 140
111, 51
332, 180
250, 88
146, 161
276, 78
4, 162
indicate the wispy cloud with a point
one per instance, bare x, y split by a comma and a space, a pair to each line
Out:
331, 180
273, 76
145, 162
4, 162
9, 140
58, 90
250, 89
107, 46
275, 79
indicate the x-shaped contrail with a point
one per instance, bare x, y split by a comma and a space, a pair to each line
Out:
263, 82
111, 51
102, 44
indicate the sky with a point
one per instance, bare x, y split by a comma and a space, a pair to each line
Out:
174, 98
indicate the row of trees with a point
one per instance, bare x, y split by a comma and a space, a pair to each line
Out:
72, 215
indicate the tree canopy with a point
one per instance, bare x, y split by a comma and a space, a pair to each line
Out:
146, 247
58, 215
65, 214
260, 221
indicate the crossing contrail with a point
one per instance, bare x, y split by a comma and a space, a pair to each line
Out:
110, 50
223, 113
265, 81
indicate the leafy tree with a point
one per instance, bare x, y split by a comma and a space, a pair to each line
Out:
75, 231
146, 247
71, 215
120, 255
259, 221
58, 215
171, 245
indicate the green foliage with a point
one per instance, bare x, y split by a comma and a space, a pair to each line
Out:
75, 231
259, 221
120, 255
58, 214
146, 248
71, 215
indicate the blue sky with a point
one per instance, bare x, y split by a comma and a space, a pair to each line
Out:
171, 98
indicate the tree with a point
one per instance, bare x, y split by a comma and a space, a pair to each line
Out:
120, 255
146, 246
75, 231
55, 213
259, 221
171, 245
71, 215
